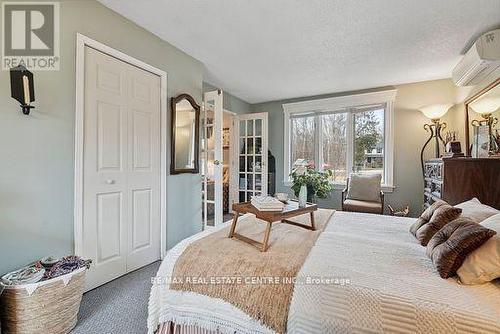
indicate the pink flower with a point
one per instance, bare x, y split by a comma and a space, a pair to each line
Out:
300, 170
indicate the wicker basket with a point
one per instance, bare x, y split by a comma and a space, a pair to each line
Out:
46, 307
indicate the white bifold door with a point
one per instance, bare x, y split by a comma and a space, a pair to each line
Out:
121, 176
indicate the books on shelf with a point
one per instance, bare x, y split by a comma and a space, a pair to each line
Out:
267, 203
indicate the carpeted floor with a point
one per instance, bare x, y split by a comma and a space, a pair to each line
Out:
120, 306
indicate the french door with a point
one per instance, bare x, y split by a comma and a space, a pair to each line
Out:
212, 158
252, 138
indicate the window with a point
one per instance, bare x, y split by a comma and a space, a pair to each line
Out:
302, 137
334, 145
344, 134
369, 141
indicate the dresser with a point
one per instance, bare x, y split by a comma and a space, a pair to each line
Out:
456, 180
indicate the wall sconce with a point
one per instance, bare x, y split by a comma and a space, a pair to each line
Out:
434, 113
22, 87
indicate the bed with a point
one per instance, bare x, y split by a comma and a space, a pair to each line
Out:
388, 285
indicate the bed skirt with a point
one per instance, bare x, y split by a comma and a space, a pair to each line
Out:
171, 328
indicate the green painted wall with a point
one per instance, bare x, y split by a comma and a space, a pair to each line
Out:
37, 151
230, 102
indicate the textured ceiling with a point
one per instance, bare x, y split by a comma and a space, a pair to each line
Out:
263, 50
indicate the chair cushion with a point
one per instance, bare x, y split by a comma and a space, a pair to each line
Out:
441, 216
362, 206
449, 247
364, 187
476, 211
483, 264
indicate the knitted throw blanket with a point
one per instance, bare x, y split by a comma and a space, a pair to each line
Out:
260, 284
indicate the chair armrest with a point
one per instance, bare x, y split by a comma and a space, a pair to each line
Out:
382, 195
343, 197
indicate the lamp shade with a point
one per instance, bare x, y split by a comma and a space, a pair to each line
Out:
435, 111
487, 105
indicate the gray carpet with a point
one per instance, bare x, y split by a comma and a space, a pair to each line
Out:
120, 306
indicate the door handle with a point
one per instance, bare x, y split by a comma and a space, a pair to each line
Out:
216, 162
110, 181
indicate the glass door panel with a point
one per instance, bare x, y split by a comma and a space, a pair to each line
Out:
252, 159
211, 155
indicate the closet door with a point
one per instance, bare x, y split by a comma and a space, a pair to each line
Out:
143, 172
121, 212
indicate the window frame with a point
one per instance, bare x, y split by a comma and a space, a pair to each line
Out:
343, 104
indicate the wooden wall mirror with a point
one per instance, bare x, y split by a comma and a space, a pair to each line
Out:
185, 141
483, 109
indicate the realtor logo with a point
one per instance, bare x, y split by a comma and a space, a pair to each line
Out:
30, 35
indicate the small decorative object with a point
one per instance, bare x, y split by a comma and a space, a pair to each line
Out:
67, 265
317, 183
399, 213
434, 113
22, 87
48, 261
282, 197
267, 203
496, 138
303, 196
26, 275
225, 137
453, 147
481, 142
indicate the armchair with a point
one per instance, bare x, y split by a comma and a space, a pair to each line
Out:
358, 198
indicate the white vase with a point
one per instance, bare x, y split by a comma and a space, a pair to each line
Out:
302, 196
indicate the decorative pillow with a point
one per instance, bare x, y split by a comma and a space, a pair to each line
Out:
483, 264
364, 187
425, 217
476, 211
449, 247
441, 216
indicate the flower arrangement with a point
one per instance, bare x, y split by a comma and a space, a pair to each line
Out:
318, 183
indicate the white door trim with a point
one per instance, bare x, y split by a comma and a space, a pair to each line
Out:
81, 42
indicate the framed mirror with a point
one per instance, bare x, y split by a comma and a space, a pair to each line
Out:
185, 140
482, 112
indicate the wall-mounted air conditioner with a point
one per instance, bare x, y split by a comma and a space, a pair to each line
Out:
482, 59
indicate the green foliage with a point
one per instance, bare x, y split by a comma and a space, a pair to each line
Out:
318, 183
367, 135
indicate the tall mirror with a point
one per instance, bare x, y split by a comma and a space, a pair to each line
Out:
185, 135
482, 130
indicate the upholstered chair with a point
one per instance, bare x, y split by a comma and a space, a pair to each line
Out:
363, 194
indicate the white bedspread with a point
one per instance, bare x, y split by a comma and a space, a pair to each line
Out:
392, 287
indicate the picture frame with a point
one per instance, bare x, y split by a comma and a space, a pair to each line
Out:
226, 135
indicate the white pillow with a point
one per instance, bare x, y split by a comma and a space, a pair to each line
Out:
476, 211
364, 187
483, 264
